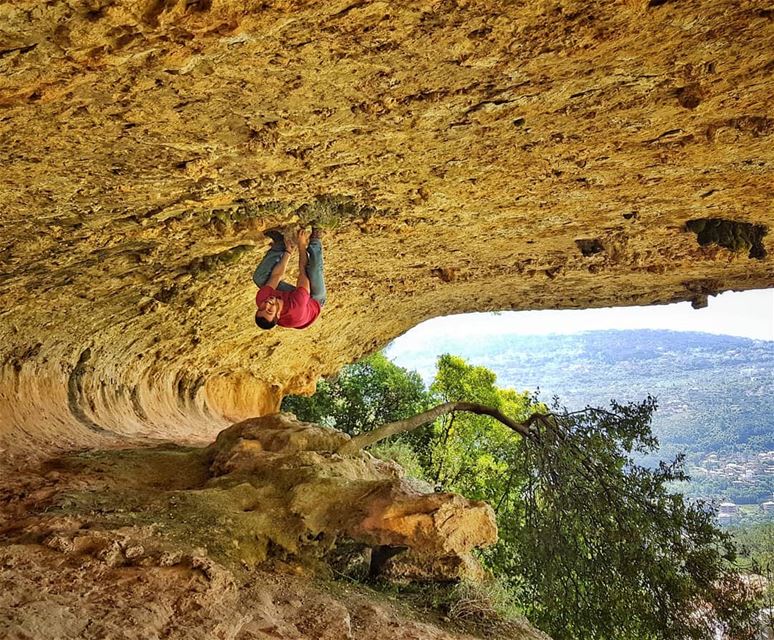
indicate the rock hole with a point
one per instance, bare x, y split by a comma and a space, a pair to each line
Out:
95, 14
166, 294
198, 5
589, 247
446, 274
689, 97
480, 33
732, 235
379, 557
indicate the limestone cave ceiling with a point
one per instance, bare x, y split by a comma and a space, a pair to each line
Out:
466, 156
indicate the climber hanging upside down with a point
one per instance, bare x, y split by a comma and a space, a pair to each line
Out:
280, 303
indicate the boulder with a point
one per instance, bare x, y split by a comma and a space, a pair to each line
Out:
326, 496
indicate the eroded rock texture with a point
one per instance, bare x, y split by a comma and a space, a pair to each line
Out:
465, 156
477, 155
297, 489
227, 541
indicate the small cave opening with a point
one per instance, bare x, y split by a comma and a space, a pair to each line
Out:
589, 246
732, 235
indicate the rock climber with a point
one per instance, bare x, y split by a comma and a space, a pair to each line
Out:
280, 303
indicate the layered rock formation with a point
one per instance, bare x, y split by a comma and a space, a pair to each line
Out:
470, 155
298, 489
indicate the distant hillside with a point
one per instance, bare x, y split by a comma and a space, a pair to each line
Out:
715, 392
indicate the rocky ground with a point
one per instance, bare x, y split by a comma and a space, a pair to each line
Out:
266, 534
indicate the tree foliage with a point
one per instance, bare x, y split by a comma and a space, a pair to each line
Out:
363, 395
473, 454
593, 545
605, 549
756, 556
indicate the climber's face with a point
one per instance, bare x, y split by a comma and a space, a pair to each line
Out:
270, 309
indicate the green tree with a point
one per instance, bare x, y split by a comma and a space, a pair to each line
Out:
468, 453
756, 557
593, 545
604, 549
363, 395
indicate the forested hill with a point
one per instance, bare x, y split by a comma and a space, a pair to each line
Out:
715, 392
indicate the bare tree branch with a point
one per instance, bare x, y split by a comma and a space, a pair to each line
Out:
368, 438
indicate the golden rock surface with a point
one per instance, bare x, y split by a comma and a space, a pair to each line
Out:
322, 495
465, 155
235, 541
244, 504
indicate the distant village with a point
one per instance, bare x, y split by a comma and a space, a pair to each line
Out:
738, 470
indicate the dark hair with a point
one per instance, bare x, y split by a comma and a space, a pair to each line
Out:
263, 323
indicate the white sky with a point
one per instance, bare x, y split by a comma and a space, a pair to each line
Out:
749, 314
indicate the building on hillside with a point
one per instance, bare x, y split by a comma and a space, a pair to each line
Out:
728, 512
768, 506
